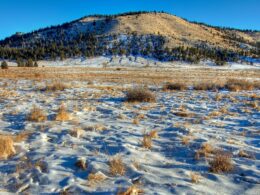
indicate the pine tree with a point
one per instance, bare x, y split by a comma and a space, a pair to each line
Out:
35, 64
29, 63
4, 65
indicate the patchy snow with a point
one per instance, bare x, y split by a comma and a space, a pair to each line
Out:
163, 169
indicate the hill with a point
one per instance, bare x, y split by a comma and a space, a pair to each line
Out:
158, 35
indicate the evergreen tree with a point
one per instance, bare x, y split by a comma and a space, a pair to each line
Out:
4, 65
29, 63
35, 64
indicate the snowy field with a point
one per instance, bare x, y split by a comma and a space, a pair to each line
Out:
102, 144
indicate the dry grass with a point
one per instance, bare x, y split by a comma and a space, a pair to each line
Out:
204, 151
140, 94
62, 114
244, 154
132, 190
147, 142
95, 178
175, 86
195, 177
185, 140
153, 134
184, 114
239, 84
81, 164
6, 147
221, 163
116, 166
76, 132
36, 115
56, 86
208, 86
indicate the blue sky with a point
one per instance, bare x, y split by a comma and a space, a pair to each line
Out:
28, 15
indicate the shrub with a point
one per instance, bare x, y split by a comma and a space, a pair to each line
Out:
140, 94
207, 86
4, 65
175, 86
221, 163
116, 166
94, 178
36, 115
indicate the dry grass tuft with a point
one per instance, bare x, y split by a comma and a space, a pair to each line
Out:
81, 164
147, 142
175, 86
77, 132
132, 190
140, 94
184, 114
204, 151
6, 147
221, 163
207, 86
95, 178
117, 166
244, 154
239, 84
36, 115
185, 140
195, 177
62, 114
153, 134
56, 86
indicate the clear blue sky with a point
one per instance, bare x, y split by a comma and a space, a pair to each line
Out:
28, 15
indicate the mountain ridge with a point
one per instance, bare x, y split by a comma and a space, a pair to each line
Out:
135, 33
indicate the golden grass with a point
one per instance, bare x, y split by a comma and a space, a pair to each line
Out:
116, 166
6, 147
95, 178
153, 134
195, 177
204, 151
240, 84
185, 140
62, 114
132, 190
147, 142
140, 94
56, 86
221, 163
36, 115
244, 154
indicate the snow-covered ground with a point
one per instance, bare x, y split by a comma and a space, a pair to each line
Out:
110, 126
135, 61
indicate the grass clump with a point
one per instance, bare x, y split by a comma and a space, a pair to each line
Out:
62, 114
56, 86
132, 190
221, 163
239, 84
140, 94
36, 115
175, 86
6, 147
117, 166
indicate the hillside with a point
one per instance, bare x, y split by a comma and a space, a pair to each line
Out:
158, 35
